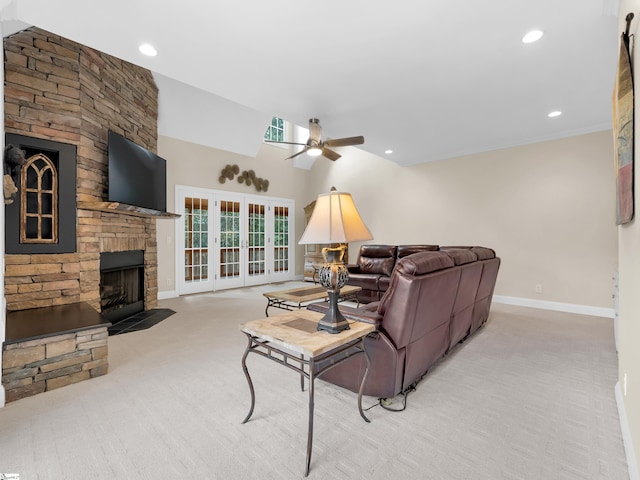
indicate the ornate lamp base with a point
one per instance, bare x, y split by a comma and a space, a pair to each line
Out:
333, 276
333, 321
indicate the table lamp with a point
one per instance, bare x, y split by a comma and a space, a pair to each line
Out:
334, 220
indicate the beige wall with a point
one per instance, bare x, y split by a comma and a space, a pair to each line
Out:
629, 261
547, 209
199, 166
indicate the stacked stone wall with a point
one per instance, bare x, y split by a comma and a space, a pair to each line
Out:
39, 365
58, 90
33, 281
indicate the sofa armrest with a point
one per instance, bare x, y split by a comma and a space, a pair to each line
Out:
350, 313
353, 268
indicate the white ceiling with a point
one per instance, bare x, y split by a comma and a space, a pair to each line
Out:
429, 79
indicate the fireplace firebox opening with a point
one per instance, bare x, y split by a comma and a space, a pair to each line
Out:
121, 284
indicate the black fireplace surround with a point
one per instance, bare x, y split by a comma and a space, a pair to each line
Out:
64, 159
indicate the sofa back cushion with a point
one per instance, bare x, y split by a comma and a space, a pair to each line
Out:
460, 256
377, 259
462, 314
417, 309
424, 262
484, 295
420, 296
484, 253
404, 250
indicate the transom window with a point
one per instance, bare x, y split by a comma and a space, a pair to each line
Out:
276, 131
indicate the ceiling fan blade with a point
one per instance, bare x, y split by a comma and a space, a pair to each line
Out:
344, 142
296, 154
330, 154
286, 143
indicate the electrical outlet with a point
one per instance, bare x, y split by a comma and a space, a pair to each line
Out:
624, 384
169, 282
538, 288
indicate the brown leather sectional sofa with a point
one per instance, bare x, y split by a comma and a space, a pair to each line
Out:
372, 271
434, 300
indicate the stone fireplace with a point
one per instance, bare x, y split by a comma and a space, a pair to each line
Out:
60, 91
57, 90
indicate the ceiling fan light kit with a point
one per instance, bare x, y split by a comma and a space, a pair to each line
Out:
316, 147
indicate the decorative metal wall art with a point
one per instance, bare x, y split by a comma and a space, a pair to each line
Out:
248, 177
228, 173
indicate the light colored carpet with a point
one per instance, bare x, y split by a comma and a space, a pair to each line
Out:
530, 396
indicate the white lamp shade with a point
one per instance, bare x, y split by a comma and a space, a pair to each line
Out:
335, 219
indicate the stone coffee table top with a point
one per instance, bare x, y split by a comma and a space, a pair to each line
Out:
298, 332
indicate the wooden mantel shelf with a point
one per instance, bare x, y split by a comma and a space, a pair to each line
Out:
116, 207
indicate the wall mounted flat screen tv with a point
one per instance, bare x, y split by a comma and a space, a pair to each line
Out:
137, 176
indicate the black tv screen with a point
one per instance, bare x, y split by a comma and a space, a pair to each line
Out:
137, 176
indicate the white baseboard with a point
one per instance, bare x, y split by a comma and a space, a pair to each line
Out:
557, 306
626, 436
167, 294
2, 397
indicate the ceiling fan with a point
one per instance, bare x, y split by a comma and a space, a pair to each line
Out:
316, 146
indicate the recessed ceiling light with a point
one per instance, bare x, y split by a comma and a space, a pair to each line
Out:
555, 113
388, 152
532, 36
148, 50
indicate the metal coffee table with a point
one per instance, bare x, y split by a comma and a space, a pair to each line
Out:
296, 298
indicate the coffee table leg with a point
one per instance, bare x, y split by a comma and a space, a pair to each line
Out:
301, 373
246, 373
364, 379
310, 433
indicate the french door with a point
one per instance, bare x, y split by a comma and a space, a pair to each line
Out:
229, 264
281, 241
256, 242
248, 240
193, 242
